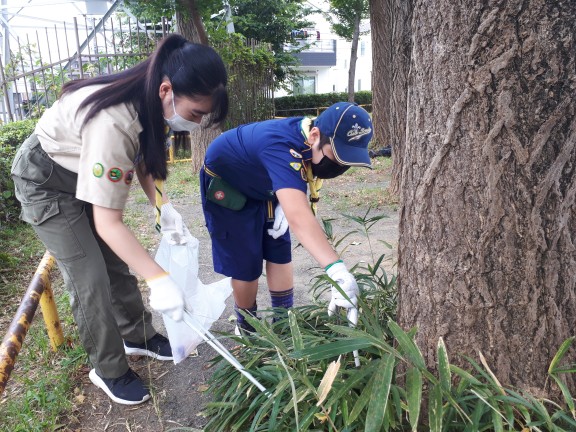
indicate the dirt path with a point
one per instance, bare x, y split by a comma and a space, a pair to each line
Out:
179, 390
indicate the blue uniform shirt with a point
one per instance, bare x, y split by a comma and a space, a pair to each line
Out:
260, 158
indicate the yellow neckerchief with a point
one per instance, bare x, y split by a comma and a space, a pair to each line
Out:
314, 183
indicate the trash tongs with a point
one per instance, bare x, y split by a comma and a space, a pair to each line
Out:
209, 338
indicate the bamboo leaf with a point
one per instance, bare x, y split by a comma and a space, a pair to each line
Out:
332, 349
413, 395
407, 345
443, 366
566, 393
327, 381
560, 354
494, 379
362, 401
380, 391
435, 411
295, 330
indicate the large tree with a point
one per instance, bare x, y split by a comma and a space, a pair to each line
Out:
391, 44
346, 16
487, 250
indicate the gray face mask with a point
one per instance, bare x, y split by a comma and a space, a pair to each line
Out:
179, 124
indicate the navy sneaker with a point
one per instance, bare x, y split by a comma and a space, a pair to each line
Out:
126, 390
157, 347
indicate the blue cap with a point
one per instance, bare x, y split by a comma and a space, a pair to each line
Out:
350, 130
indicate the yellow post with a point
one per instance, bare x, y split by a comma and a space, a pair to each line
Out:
14, 338
47, 304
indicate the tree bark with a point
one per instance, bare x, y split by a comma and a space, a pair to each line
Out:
381, 76
391, 33
190, 23
487, 250
353, 58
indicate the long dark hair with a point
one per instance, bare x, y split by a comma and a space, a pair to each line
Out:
192, 69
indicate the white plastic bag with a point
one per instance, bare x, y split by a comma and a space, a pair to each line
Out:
204, 302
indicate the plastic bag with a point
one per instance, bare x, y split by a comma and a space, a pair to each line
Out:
204, 302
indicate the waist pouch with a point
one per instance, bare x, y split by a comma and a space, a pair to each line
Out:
221, 193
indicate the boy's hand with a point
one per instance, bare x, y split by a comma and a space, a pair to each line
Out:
166, 297
339, 274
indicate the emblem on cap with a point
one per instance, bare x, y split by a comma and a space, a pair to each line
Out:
356, 132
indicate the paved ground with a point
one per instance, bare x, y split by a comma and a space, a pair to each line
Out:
180, 389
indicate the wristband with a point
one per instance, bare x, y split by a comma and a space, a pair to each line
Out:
330, 265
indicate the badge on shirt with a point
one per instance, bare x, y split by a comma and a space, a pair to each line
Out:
129, 177
115, 174
295, 154
98, 170
296, 165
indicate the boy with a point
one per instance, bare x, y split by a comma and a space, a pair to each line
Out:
254, 183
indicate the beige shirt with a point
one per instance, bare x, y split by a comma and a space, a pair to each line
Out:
103, 152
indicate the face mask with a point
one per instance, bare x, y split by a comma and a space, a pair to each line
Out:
328, 169
179, 124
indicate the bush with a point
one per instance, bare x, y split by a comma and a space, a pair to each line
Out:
309, 104
11, 136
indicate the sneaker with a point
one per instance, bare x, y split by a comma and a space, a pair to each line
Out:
126, 390
244, 329
157, 347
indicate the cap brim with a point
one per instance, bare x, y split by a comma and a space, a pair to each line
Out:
350, 155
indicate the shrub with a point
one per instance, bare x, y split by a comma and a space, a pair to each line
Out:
11, 136
309, 104
313, 383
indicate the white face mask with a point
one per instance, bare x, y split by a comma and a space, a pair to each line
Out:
179, 124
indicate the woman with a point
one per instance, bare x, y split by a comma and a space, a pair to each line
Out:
73, 176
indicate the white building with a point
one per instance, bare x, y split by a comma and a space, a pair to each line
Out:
325, 64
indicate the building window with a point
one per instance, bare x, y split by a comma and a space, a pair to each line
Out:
305, 85
362, 48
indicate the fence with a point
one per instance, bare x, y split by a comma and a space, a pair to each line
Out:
37, 67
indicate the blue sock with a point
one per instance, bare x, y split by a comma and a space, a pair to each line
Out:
281, 299
241, 320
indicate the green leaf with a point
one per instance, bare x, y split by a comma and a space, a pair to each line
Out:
407, 345
435, 408
380, 391
413, 395
331, 350
362, 401
566, 393
560, 354
444, 366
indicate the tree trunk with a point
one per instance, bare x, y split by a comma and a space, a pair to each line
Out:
190, 23
353, 58
391, 33
380, 27
487, 251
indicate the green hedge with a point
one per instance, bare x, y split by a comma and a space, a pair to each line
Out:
312, 104
11, 136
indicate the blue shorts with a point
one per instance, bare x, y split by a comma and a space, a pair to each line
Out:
240, 239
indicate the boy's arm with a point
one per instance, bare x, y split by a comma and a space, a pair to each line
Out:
305, 226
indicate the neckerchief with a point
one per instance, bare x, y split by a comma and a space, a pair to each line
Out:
314, 183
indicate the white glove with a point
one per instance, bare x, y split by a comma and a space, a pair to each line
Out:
280, 223
338, 273
171, 225
166, 297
